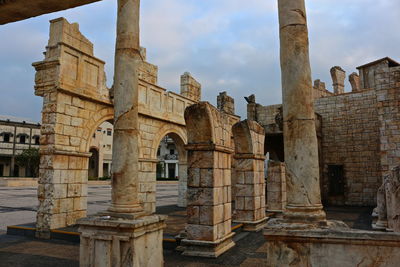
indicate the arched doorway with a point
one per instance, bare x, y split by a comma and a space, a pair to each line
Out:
93, 169
171, 160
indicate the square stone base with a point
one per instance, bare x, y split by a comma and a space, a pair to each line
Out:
332, 248
255, 226
112, 242
207, 249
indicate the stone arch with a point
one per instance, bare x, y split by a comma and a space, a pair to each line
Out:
105, 114
178, 134
249, 173
200, 120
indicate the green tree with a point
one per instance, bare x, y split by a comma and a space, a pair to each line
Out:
30, 159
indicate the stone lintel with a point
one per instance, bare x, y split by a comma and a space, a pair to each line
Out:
249, 156
207, 249
209, 147
253, 226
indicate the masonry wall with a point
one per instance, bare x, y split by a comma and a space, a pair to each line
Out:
350, 137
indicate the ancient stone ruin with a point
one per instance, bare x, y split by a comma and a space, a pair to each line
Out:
324, 146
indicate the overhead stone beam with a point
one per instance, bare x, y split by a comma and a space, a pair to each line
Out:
16, 10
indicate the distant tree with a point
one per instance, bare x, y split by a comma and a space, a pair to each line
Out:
30, 159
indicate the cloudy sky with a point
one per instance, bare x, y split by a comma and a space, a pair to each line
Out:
227, 45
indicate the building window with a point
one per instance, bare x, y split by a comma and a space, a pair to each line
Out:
37, 140
6, 137
99, 129
172, 151
109, 132
22, 139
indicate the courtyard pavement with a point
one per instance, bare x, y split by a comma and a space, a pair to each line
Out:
18, 205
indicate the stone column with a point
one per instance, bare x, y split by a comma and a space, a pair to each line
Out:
125, 167
126, 236
300, 139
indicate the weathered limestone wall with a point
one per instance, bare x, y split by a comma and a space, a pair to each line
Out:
249, 139
350, 137
75, 102
319, 90
387, 95
190, 88
226, 103
276, 186
68, 75
209, 181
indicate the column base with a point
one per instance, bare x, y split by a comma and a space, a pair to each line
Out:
127, 209
126, 216
303, 217
107, 241
380, 225
253, 226
207, 249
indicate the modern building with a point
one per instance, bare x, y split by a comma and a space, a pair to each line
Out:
16, 134
101, 149
168, 159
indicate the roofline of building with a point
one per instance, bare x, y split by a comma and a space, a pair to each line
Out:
392, 63
16, 123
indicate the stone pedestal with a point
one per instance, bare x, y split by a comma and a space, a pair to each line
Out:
249, 139
332, 248
207, 249
111, 242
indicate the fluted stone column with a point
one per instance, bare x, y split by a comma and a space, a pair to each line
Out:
301, 148
125, 167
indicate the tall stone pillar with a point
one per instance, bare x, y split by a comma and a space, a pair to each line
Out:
209, 182
124, 236
300, 139
249, 139
125, 167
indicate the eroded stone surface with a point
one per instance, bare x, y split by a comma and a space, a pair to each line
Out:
249, 139
209, 181
300, 140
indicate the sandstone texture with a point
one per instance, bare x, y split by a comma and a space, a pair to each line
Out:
249, 139
210, 148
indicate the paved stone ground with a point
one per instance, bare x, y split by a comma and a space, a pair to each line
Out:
18, 204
